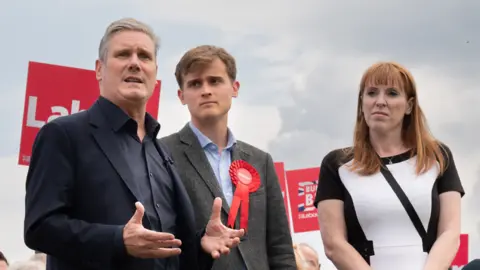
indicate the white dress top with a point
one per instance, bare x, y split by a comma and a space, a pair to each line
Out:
375, 218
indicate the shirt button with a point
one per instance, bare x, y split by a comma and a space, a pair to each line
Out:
150, 174
157, 205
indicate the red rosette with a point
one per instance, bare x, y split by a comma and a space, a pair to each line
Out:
246, 180
242, 171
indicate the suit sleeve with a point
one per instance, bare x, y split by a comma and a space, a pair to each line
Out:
49, 199
279, 239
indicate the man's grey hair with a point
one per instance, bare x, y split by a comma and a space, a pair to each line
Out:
125, 24
28, 265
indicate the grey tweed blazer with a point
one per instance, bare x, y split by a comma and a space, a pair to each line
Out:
268, 244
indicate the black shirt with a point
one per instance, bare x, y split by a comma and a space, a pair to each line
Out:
153, 181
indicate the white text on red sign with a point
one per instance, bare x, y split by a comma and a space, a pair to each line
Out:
56, 111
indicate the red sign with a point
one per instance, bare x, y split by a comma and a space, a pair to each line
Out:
54, 91
302, 186
461, 258
280, 169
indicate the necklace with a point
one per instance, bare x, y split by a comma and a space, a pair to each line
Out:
390, 160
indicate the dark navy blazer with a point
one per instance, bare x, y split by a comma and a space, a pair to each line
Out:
80, 193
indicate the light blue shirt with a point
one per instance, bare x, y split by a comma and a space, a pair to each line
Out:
219, 161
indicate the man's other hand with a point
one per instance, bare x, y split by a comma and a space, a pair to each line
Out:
144, 243
218, 238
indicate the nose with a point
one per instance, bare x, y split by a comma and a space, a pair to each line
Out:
381, 101
206, 90
134, 63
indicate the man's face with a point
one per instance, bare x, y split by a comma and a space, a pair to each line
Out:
208, 93
3, 265
128, 73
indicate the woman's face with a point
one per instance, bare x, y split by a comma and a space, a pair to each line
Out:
384, 107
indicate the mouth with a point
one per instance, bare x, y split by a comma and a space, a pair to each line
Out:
379, 113
208, 102
133, 79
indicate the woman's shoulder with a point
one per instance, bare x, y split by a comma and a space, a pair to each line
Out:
447, 153
338, 156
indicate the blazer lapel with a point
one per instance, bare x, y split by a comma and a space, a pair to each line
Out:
239, 154
105, 138
200, 163
182, 198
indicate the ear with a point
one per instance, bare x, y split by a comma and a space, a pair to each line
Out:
98, 69
236, 88
410, 105
180, 96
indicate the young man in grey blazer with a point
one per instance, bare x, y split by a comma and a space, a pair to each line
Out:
204, 150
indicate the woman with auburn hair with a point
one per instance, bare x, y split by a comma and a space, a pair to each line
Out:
392, 201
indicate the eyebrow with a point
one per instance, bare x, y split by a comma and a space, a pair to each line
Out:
141, 50
208, 77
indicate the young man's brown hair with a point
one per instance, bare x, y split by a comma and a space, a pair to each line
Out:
200, 57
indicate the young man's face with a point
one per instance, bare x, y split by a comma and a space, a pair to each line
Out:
208, 93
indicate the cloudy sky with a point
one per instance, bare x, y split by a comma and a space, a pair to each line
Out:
299, 68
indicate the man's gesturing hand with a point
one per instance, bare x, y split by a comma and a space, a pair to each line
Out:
218, 238
143, 243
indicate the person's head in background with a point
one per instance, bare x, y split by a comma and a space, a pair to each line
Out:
28, 265
3, 262
306, 257
39, 256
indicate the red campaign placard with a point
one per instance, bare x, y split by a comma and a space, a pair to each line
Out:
302, 186
461, 258
54, 91
280, 169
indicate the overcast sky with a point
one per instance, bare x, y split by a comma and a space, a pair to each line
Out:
299, 68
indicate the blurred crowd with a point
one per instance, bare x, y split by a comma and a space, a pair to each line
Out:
35, 262
305, 255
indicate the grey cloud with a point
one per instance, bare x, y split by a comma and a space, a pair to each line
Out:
407, 31
414, 34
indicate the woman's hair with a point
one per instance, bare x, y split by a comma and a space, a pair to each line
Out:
415, 132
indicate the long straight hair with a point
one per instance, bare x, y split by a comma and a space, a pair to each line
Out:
415, 132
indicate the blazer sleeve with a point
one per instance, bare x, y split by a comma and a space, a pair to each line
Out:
48, 226
279, 239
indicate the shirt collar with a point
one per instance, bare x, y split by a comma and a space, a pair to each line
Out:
205, 141
118, 119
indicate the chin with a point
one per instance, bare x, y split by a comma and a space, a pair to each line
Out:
135, 95
207, 117
378, 127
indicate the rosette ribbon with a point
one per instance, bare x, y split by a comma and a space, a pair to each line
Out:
246, 180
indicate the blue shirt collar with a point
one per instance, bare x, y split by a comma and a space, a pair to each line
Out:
205, 141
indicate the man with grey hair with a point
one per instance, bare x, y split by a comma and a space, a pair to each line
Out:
101, 192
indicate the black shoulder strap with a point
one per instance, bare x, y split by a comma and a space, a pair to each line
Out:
405, 202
